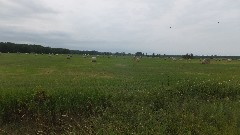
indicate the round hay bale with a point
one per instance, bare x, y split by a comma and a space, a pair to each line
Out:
206, 61
174, 59
137, 59
68, 57
94, 59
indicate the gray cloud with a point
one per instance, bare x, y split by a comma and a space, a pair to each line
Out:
52, 39
122, 25
17, 9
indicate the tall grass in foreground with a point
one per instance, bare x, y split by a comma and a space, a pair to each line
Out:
43, 95
204, 107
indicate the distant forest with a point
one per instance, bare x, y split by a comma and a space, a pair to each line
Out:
8, 47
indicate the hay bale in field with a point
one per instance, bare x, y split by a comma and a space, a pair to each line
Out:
229, 60
68, 57
94, 59
135, 58
206, 61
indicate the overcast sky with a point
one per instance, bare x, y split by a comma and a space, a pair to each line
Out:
125, 25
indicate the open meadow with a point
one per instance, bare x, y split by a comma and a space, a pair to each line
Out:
117, 95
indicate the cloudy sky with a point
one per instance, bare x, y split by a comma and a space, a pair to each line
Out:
125, 25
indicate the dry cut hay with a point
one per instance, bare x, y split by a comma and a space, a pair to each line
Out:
206, 61
94, 59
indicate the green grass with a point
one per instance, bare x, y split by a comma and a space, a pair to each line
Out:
54, 95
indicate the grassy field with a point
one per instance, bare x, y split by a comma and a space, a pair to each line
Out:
116, 95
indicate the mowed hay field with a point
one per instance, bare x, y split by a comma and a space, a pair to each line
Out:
117, 95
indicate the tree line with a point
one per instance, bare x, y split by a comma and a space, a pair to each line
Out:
8, 47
